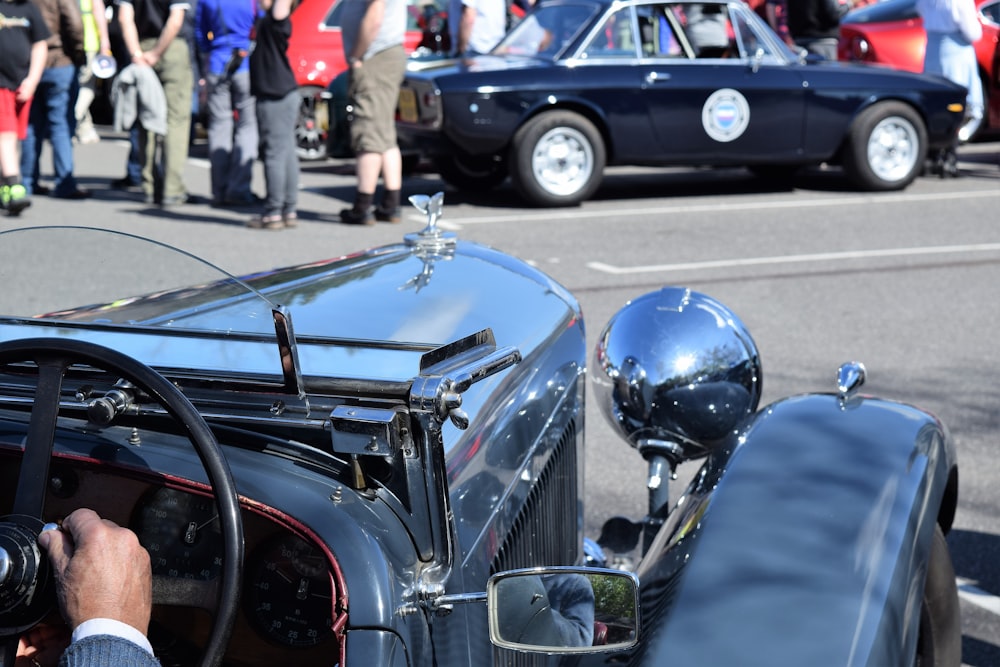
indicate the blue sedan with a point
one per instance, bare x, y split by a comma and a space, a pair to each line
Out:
579, 85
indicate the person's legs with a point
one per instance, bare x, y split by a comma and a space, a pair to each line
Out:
275, 173
245, 138
34, 136
13, 128
85, 132
288, 155
373, 90
148, 151
220, 134
174, 70
58, 110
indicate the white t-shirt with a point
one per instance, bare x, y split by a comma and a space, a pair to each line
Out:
490, 25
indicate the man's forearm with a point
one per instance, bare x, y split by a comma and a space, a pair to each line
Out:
171, 29
130, 34
467, 20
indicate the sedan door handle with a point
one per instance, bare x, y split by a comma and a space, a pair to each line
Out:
653, 78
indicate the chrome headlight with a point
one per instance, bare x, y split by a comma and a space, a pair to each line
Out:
676, 366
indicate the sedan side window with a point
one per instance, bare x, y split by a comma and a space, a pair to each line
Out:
658, 33
749, 41
614, 38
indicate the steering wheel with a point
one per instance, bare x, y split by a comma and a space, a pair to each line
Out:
27, 587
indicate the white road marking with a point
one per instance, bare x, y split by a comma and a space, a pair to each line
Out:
978, 596
796, 259
550, 215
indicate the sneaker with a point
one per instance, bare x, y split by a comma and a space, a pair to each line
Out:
291, 219
272, 222
349, 216
78, 193
394, 216
14, 199
175, 200
124, 183
88, 137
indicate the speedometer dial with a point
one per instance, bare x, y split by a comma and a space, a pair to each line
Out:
182, 534
290, 595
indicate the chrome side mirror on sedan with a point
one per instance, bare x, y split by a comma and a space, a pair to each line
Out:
564, 610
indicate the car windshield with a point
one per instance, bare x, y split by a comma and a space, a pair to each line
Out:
547, 31
84, 275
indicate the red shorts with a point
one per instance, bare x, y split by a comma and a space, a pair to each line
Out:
13, 114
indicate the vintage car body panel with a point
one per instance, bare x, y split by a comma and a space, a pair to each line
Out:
814, 580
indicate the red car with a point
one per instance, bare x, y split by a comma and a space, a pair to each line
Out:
892, 33
316, 53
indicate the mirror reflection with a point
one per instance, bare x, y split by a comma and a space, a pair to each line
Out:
557, 610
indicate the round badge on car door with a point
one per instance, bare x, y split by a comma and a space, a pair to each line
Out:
725, 115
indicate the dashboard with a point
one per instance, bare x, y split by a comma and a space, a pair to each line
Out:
289, 595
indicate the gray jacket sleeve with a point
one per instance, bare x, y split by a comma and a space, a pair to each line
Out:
103, 650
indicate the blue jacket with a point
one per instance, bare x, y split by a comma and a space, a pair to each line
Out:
221, 26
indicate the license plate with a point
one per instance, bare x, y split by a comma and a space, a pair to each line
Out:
407, 106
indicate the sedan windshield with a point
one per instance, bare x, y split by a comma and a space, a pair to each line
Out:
547, 31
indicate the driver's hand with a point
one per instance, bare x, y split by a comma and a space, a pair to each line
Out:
101, 571
41, 646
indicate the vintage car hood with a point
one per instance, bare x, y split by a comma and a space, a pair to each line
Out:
362, 316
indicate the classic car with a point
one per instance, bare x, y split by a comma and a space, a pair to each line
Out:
580, 85
316, 54
316, 487
891, 33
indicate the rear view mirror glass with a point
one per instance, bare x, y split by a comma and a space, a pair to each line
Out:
564, 610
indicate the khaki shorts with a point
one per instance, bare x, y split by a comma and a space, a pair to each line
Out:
373, 90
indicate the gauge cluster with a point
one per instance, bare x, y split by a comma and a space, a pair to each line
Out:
288, 597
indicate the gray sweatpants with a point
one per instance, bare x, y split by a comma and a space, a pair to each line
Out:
276, 126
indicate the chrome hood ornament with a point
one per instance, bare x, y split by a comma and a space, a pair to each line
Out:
430, 237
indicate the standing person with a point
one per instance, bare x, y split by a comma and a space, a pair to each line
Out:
52, 110
952, 28
151, 30
95, 43
777, 18
273, 84
373, 46
478, 25
22, 60
815, 25
222, 32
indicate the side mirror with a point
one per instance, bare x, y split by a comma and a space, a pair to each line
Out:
564, 610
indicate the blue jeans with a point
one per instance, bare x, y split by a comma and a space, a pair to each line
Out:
51, 114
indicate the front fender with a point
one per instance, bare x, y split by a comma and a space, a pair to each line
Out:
804, 542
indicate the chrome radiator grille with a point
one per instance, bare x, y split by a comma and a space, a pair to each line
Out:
546, 531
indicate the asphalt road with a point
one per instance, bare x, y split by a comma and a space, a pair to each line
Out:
906, 282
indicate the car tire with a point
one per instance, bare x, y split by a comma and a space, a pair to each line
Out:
312, 124
478, 173
939, 643
886, 147
558, 159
